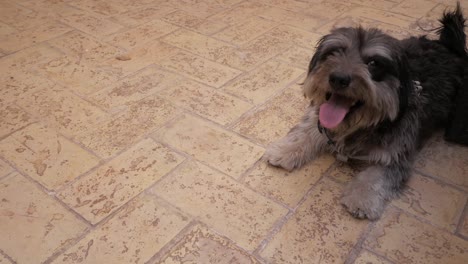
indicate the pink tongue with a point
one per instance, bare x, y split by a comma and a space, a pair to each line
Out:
334, 111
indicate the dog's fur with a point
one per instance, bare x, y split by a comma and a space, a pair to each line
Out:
391, 118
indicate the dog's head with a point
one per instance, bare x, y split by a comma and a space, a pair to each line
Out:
357, 78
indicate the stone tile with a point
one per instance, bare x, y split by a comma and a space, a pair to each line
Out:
246, 31
464, 225
19, 40
240, 12
292, 5
428, 199
33, 225
27, 60
141, 35
133, 88
17, 83
139, 58
366, 257
83, 47
296, 36
22, 18
102, 7
79, 76
62, 110
290, 18
415, 8
344, 172
205, 101
140, 15
202, 245
123, 130
183, 19
94, 25
13, 118
454, 167
260, 84
297, 57
403, 239
287, 187
133, 235
5, 169
273, 120
199, 44
6, 29
320, 231
328, 10
4, 260
98, 194
45, 156
219, 148
382, 16
199, 69
255, 52
209, 26
200, 8
221, 202
381, 4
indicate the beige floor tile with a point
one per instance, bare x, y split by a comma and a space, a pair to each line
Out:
328, 10
199, 69
320, 231
27, 60
33, 225
294, 19
263, 82
297, 36
200, 8
22, 18
199, 44
45, 156
202, 245
464, 225
297, 57
183, 19
403, 239
128, 90
139, 58
366, 257
222, 203
292, 5
78, 75
127, 128
140, 15
102, 7
239, 13
428, 199
4, 260
273, 120
209, 26
381, 16
245, 31
344, 172
133, 235
5, 29
287, 187
454, 167
103, 191
62, 110
414, 8
83, 47
5, 169
205, 101
208, 143
141, 35
19, 40
89, 23
381, 4
13, 118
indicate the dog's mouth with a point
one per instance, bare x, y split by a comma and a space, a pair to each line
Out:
336, 109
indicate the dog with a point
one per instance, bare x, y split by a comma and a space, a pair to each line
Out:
376, 99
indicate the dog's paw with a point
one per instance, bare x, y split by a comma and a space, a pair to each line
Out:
363, 203
277, 156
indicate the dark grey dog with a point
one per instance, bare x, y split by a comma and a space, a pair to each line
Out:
376, 98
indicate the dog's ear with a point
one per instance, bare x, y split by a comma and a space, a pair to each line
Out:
406, 83
317, 55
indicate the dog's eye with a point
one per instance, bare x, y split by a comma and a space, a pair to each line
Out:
372, 63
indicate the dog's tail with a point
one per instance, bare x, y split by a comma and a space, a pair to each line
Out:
452, 34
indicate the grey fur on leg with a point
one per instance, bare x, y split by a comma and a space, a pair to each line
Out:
367, 194
302, 144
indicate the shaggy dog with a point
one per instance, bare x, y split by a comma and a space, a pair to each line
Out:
376, 98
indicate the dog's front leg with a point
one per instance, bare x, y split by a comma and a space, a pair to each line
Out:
302, 144
367, 194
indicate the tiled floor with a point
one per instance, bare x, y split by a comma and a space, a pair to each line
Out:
131, 132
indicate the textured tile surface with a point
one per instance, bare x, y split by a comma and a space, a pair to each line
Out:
103, 191
147, 120
222, 203
202, 245
46, 156
318, 231
134, 235
210, 144
403, 239
33, 225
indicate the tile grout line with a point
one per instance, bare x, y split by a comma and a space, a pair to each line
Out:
441, 181
2, 253
462, 218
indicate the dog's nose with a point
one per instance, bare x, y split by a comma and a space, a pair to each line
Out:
339, 80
